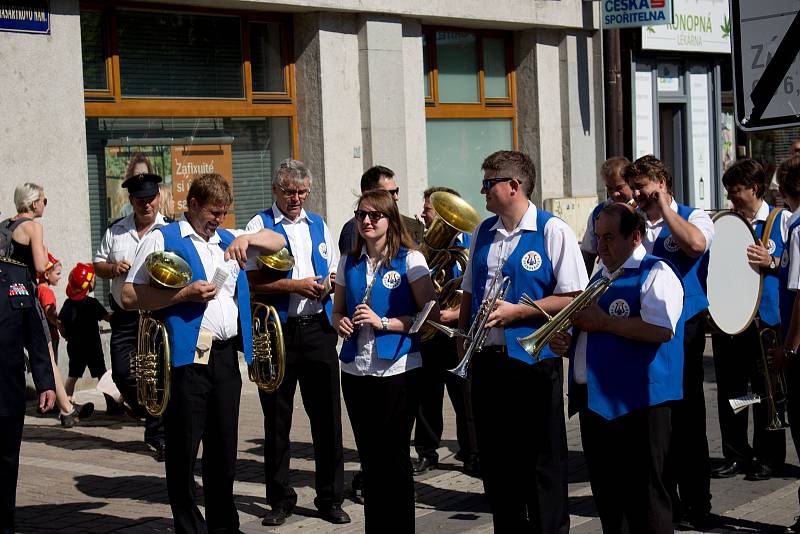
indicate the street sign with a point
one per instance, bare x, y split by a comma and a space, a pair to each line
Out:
766, 70
635, 13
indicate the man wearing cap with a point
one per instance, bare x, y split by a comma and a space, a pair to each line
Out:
112, 261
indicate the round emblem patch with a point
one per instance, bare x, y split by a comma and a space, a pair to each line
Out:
391, 280
531, 261
619, 308
671, 245
785, 258
323, 250
771, 247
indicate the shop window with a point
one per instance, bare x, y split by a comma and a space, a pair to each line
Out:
95, 76
457, 63
265, 58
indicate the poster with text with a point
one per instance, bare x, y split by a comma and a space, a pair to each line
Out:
192, 161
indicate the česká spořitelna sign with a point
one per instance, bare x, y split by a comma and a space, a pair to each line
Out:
632, 13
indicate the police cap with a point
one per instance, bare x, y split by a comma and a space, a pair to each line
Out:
142, 185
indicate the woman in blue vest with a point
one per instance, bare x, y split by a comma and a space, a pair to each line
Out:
737, 359
380, 286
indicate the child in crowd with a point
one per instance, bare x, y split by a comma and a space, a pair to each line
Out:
49, 278
78, 323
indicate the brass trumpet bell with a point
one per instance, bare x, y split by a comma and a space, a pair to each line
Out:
167, 270
279, 261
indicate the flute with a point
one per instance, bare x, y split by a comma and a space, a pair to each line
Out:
367, 294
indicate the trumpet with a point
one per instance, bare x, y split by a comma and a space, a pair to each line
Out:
537, 341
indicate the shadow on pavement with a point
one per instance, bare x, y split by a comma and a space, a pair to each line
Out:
72, 439
74, 517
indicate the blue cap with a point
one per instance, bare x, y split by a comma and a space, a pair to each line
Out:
142, 185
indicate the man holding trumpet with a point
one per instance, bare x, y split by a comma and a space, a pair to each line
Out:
518, 400
206, 330
626, 365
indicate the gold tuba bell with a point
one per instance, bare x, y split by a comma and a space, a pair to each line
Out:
454, 216
152, 362
269, 351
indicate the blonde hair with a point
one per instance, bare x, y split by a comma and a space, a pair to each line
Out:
25, 195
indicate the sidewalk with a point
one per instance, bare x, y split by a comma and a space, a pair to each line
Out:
100, 477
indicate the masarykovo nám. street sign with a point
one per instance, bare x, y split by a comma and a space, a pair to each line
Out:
633, 13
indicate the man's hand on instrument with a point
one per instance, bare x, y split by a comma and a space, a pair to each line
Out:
199, 291
560, 343
505, 313
591, 319
364, 316
309, 287
237, 250
449, 316
758, 255
344, 327
120, 267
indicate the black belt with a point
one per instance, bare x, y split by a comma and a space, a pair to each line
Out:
304, 320
220, 344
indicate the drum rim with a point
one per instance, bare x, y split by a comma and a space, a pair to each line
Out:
714, 325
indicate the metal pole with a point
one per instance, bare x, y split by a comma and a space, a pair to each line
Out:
612, 71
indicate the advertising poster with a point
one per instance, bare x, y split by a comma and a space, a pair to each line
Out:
191, 161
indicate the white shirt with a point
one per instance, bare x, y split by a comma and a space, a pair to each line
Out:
120, 243
792, 254
560, 244
221, 314
367, 362
698, 218
660, 298
298, 233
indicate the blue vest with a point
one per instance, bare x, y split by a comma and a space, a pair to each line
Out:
693, 270
768, 308
316, 227
623, 375
785, 295
592, 219
530, 271
391, 297
466, 240
183, 320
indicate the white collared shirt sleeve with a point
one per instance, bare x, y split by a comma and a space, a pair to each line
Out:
137, 274
254, 225
700, 219
333, 251
661, 297
561, 246
589, 241
784, 222
104, 250
466, 279
416, 266
793, 281
340, 272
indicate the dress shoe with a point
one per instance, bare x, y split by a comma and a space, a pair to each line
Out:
334, 514
760, 471
728, 470
702, 521
275, 517
472, 467
424, 464
358, 487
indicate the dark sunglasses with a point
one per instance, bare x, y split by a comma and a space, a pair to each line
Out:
491, 182
374, 216
395, 191
44, 200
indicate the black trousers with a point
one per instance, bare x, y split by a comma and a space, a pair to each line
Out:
311, 361
737, 366
626, 457
124, 334
793, 404
520, 408
438, 355
382, 411
204, 406
688, 472
10, 440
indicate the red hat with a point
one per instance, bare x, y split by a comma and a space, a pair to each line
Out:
81, 281
51, 262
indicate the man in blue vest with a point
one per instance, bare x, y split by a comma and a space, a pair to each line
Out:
626, 367
617, 190
682, 235
438, 355
517, 400
305, 307
208, 323
737, 359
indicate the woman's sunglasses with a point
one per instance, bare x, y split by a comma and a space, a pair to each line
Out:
374, 216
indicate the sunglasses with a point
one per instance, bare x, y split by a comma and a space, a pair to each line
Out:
44, 201
374, 216
489, 183
395, 191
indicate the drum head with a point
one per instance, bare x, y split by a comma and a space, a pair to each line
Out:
734, 286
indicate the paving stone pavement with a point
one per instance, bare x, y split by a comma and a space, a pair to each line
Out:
100, 477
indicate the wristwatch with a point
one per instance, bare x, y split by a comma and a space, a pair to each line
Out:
384, 323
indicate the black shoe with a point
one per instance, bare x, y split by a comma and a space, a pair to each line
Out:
84, 410
424, 464
334, 514
699, 521
358, 487
472, 468
159, 447
760, 471
114, 408
459, 456
728, 470
276, 517
69, 420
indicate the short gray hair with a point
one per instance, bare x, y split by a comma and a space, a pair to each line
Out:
25, 195
292, 171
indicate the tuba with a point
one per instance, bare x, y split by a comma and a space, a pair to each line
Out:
151, 364
269, 352
454, 216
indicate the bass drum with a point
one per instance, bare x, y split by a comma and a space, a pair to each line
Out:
734, 286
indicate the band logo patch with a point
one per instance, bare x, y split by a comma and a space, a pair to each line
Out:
391, 280
771, 247
323, 250
671, 245
531, 261
619, 308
